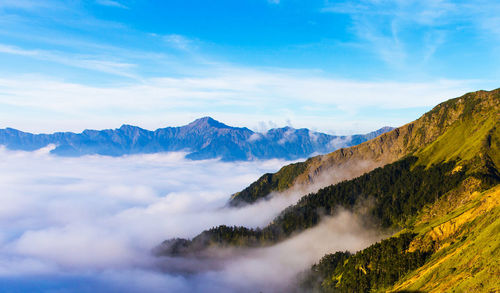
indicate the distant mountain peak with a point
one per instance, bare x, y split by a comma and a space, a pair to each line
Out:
206, 138
385, 129
127, 126
207, 121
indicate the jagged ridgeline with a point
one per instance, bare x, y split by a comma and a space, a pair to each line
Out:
202, 139
439, 183
468, 117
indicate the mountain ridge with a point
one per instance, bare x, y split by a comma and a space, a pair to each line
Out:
441, 192
203, 138
348, 163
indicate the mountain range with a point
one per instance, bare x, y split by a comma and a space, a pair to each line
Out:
435, 181
204, 138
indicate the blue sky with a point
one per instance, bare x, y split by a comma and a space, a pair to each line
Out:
333, 66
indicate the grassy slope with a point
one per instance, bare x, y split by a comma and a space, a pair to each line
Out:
468, 133
464, 228
476, 131
348, 163
459, 243
267, 183
467, 247
461, 229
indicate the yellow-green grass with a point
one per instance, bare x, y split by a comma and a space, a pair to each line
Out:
471, 260
463, 141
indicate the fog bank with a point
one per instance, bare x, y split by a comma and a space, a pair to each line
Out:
88, 224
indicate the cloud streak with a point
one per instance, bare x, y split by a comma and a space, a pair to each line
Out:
113, 84
86, 62
111, 3
391, 28
77, 106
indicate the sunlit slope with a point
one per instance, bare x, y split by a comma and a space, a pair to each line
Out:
474, 139
455, 128
391, 196
443, 196
453, 247
466, 241
466, 151
455, 244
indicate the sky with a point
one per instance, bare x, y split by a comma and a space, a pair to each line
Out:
340, 67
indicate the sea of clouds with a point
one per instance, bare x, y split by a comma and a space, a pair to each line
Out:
88, 224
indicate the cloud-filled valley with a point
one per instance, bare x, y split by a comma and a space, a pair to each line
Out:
89, 224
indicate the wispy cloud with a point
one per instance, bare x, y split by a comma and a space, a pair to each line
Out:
32, 17
24, 4
74, 60
178, 41
485, 15
382, 24
17, 51
391, 28
180, 82
111, 3
237, 96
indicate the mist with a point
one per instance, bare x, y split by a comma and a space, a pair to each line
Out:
88, 224
275, 268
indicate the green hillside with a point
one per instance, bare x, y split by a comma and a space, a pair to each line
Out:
397, 191
267, 183
440, 189
423, 133
465, 245
457, 250
451, 244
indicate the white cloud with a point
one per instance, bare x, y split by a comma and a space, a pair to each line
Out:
193, 85
288, 136
97, 218
275, 268
111, 209
255, 137
339, 142
101, 64
235, 96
